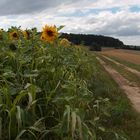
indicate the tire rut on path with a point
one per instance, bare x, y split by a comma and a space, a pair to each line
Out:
119, 64
132, 92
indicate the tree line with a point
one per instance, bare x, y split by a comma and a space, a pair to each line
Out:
96, 42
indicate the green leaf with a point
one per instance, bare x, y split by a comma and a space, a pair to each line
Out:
102, 128
60, 27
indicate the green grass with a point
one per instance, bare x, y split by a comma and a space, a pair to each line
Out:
127, 63
124, 119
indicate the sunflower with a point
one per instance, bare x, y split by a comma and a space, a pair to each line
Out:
42, 37
49, 33
64, 42
13, 35
1, 31
26, 34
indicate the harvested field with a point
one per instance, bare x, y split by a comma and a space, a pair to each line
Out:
127, 55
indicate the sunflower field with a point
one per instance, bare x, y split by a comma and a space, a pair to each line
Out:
46, 88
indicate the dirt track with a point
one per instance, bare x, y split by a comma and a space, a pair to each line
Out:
128, 55
125, 67
132, 91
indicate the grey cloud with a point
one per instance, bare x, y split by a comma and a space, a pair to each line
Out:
13, 7
130, 30
117, 26
118, 31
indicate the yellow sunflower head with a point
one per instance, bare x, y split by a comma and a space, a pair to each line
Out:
26, 34
64, 42
1, 31
42, 37
13, 35
49, 33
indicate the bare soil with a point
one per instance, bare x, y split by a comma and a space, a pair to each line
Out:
132, 91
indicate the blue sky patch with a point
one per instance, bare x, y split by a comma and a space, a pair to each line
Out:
135, 8
79, 13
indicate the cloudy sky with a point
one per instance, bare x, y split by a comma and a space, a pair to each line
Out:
117, 18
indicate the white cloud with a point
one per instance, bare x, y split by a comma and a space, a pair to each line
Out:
123, 23
130, 40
